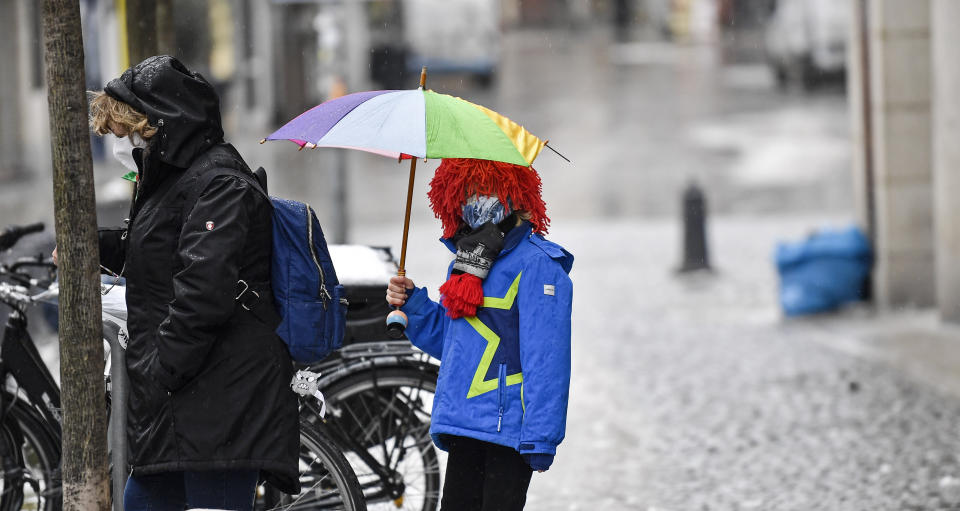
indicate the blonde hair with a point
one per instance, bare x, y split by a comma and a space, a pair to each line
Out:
104, 109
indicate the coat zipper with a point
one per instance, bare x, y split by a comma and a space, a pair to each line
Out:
501, 393
135, 204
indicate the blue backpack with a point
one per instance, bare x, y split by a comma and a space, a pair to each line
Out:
307, 296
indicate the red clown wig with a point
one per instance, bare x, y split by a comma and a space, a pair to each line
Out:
457, 179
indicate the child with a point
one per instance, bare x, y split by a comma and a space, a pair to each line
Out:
501, 331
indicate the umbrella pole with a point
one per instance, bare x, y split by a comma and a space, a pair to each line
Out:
402, 270
397, 320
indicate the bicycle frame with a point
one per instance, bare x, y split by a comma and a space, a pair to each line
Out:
367, 355
19, 357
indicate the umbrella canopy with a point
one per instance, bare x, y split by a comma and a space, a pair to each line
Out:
412, 123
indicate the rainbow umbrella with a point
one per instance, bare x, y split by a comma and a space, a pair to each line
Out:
411, 124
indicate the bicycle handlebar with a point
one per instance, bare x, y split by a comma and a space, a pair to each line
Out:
12, 234
15, 295
32, 263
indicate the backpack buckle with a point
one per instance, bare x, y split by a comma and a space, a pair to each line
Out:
243, 295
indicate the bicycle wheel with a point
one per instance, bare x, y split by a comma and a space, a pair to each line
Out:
31, 464
327, 481
386, 411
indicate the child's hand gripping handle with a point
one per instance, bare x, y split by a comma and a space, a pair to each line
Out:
397, 292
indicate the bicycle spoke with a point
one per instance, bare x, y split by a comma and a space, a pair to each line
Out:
305, 492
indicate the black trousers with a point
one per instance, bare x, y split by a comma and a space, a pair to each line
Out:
484, 477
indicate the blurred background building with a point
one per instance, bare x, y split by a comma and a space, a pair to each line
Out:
274, 59
692, 391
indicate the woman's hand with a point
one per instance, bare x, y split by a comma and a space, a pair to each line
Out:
397, 290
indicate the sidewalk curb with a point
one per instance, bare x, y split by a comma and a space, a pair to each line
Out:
915, 342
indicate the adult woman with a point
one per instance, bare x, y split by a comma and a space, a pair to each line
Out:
210, 411
501, 331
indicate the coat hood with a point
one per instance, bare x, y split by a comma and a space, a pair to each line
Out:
180, 103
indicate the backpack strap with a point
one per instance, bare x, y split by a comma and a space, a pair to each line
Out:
222, 160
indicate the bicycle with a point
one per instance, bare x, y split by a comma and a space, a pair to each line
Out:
378, 397
327, 480
30, 434
30, 427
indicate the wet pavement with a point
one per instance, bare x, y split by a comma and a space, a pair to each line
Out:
689, 392
692, 393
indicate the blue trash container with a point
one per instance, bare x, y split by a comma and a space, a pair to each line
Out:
824, 271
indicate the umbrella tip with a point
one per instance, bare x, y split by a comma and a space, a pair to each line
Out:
262, 140
557, 152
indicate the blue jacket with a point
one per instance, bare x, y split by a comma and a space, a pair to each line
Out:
504, 373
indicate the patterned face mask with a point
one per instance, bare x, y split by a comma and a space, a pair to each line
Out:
481, 209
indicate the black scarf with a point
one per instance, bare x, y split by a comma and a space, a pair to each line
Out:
477, 250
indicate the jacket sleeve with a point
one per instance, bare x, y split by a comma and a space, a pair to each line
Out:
545, 299
209, 251
113, 248
427, 322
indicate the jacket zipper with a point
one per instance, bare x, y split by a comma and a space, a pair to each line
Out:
135, 204
501, 393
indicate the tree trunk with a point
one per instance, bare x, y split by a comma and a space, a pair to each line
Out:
85, 472
141, 29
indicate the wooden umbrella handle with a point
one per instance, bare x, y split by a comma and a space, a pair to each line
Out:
402, 269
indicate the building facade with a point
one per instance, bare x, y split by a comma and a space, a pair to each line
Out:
904, 74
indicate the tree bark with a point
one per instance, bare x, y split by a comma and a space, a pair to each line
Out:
141, 29
84, 458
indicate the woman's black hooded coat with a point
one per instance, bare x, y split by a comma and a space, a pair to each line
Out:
209, 381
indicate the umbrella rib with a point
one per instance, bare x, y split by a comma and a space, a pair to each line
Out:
547, 145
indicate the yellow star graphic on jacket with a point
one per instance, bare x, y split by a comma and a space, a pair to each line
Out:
499, 312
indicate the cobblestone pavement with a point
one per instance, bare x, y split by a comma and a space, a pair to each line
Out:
692, 393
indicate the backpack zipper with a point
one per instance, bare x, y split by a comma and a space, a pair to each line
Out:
322, 292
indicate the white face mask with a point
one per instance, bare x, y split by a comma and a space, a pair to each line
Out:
123, 150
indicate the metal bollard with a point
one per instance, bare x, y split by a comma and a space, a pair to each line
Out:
117, 435
695, 253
